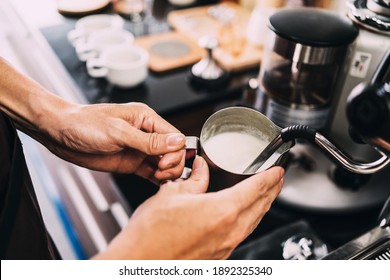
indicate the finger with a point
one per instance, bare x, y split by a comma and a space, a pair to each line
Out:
172, 160
170, 172
252, 189
152, 122
199, 179
250, 218
147, 170
154, 143
144, 118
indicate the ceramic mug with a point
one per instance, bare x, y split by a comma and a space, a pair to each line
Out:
100, 40
85, 26
123, 66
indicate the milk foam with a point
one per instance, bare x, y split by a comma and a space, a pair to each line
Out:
234, 151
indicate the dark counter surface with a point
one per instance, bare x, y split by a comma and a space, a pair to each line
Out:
167, 93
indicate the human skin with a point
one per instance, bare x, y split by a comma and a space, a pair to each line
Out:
124, 138
181, 221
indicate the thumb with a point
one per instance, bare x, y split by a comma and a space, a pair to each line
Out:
199, 179
156, 143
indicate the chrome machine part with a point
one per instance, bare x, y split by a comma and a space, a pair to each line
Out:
272, 147
373, 245
292, 133
302, 189
302, 65
384, 215
356, 167
372, 44
372, 14
315, 190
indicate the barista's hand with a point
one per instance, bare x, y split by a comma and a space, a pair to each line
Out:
183, 222
107, 137
120, 138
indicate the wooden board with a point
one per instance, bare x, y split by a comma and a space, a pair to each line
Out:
170, 50
235, 52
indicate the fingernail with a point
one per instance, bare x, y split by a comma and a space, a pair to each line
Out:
198, 163
175, 139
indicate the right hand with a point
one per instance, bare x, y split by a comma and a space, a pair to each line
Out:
183, 222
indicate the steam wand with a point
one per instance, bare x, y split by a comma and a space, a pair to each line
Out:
310, 134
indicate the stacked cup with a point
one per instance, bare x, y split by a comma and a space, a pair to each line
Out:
108, 50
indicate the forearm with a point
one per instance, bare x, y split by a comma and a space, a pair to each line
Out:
107, 137
31, 106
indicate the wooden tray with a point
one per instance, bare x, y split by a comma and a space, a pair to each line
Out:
170, 50
235, 52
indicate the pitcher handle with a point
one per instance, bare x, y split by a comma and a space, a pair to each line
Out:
192, 149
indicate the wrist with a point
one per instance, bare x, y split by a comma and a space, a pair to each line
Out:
49, 113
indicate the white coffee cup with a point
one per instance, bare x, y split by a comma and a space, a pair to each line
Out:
100, 40
181, 2
89, 24
123, 65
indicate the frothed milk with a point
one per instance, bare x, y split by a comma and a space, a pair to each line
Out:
234, 151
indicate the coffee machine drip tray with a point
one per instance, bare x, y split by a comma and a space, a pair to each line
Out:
314, 183
373, 245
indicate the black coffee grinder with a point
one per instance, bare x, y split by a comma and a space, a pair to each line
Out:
305, 54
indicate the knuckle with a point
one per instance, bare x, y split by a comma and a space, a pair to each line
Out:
238, 238
153, 143
167, 183
140, 105
145, 108
175, 172
229, 214
234, 238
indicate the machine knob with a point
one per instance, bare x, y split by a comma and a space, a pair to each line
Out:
368, 109
348, 180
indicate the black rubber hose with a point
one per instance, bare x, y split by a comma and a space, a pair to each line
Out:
298, 132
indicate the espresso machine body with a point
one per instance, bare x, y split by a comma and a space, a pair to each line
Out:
370, 49
313, 183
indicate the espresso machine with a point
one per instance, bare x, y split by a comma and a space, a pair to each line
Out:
310, 67
330, 72
373, 19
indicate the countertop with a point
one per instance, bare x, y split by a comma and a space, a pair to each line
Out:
167, 93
